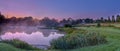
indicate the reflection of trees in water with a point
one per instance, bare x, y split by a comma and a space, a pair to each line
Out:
0, 33
29, 30
0, 38
47, 32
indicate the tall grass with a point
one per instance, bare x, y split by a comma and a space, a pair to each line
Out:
77, 40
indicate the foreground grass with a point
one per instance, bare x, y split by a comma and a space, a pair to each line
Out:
19, 44
7, 47
112, 36
78, 40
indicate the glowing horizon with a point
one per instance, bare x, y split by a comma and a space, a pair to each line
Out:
59, 8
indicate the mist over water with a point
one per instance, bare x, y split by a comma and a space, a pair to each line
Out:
32, 35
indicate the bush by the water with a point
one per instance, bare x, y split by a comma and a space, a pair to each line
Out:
67, 30
72, 30
19, 44
98, 24
71, 41
67, 25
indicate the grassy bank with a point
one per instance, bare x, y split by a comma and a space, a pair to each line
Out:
112, 35
7, 47
19, 44
16, 45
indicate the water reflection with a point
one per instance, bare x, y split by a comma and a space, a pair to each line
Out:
34, 38
29, 30
32, 35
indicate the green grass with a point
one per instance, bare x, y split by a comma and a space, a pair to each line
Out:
75, 40
16, 45
112, 35
7, 47
19, 44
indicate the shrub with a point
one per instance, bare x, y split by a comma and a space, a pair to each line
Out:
72, 30
71, 41
67, 25
67, 30
98, 25
111, 25
19, 44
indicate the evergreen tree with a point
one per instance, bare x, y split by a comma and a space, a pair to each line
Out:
109, 20
2, 18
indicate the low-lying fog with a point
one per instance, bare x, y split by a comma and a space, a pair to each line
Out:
33, 35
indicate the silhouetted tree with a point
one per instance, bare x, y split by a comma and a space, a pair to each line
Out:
105, 20
88, 20
118, 18
98, 24
70, 21
2, 18
97, 20
54, 22
49, 22
78, 21
67, 25
29, 20
109, 20
63, 22
113, 19
102, 20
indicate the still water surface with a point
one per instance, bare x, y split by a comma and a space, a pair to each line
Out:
39, 38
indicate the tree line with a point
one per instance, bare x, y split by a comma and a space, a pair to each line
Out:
46, 21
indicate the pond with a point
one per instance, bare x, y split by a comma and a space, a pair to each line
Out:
39, 38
